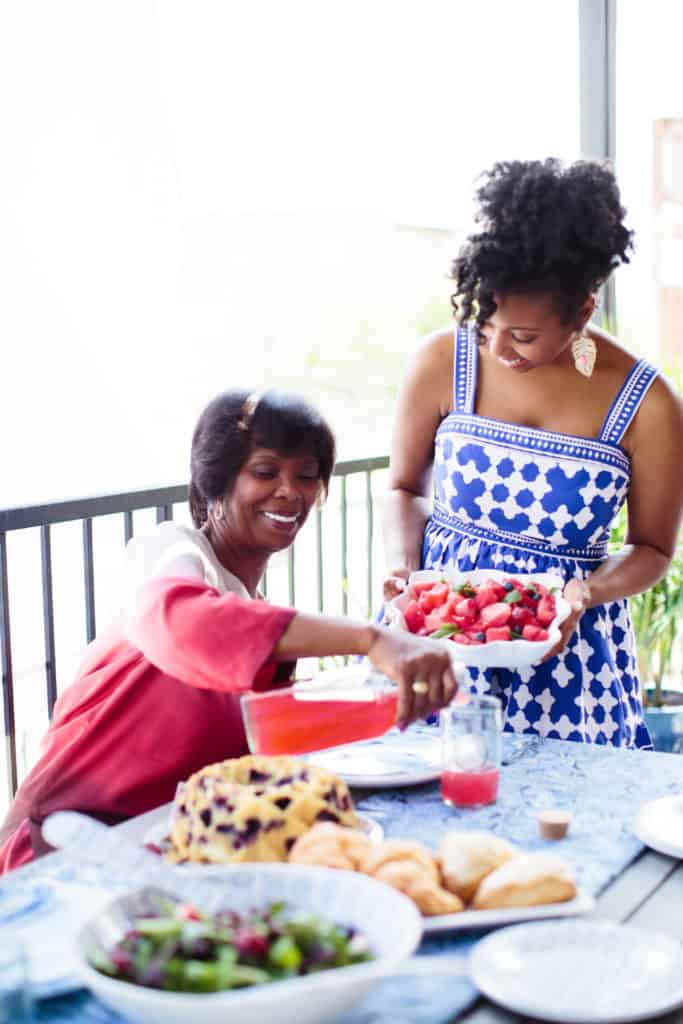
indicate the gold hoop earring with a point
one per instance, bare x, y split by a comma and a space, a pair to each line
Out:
584, 354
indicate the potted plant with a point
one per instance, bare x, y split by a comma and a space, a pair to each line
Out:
657, 616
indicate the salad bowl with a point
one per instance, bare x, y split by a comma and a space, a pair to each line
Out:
389, 921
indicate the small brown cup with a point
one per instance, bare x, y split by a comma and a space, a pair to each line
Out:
553, 824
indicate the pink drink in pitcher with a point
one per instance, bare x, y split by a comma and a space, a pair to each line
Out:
298, 720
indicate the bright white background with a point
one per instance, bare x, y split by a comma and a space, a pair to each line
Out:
200, 194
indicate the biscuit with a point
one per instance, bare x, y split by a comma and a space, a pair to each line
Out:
468, 857
526, 880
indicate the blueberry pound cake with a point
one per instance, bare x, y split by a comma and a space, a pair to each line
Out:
254, 808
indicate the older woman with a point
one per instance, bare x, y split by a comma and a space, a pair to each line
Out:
539, 426
157, 696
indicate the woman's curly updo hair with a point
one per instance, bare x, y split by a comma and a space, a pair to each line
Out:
235, 423
545, 229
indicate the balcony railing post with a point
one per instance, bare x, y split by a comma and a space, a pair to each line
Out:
89, 580
162, 500
370, 528
48, 618
7, 680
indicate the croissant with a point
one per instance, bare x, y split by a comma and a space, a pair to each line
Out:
412, 869
331, 846
401, 849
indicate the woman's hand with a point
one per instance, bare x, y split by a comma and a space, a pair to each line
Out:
395, 583
577, 595
422, 669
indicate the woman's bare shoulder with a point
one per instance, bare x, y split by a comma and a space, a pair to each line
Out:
432, 369
437, 347
661, 412
611, 352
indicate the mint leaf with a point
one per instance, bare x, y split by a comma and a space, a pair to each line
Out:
448, 629
513, 597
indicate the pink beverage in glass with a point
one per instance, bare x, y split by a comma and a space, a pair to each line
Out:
280, 722
470, 789
471, 751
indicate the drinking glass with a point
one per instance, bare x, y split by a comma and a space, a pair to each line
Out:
470, 752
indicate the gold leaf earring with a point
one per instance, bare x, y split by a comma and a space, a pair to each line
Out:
584, 353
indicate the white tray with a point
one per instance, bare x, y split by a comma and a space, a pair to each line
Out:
469, 919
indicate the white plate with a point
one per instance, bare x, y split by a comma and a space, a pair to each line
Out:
378, 766
47, 934
584, 972
500, 653
660, 825
470, 919
158, 834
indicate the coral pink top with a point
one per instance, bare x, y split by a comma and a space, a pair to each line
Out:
148, 708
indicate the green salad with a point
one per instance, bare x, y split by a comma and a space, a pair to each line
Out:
184, 950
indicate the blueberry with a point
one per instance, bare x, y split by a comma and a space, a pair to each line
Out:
326, 815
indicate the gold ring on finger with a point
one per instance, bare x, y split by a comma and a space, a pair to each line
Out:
420, 687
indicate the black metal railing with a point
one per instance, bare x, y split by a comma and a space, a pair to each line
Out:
161, 499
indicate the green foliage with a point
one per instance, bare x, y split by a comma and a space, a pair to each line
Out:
657, 616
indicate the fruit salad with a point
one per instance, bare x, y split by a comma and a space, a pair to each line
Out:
181, 949
474, 614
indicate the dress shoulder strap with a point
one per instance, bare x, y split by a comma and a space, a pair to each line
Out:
627, 402
464, 370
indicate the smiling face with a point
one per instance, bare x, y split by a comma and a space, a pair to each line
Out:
526, 331
268, 502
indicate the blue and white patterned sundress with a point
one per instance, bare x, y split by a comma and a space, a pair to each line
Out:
525, 500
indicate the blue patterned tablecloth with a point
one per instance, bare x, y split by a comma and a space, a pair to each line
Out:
603, 787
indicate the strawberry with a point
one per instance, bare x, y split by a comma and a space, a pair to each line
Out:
497, 614
187, 912
414, 616
467, 609
500, 633
520, 615
531, 632
434, 620
433, 598
545, 613
422, 588
488, 594
449, 609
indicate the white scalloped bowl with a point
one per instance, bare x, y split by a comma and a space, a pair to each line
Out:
512, 654
389, 920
